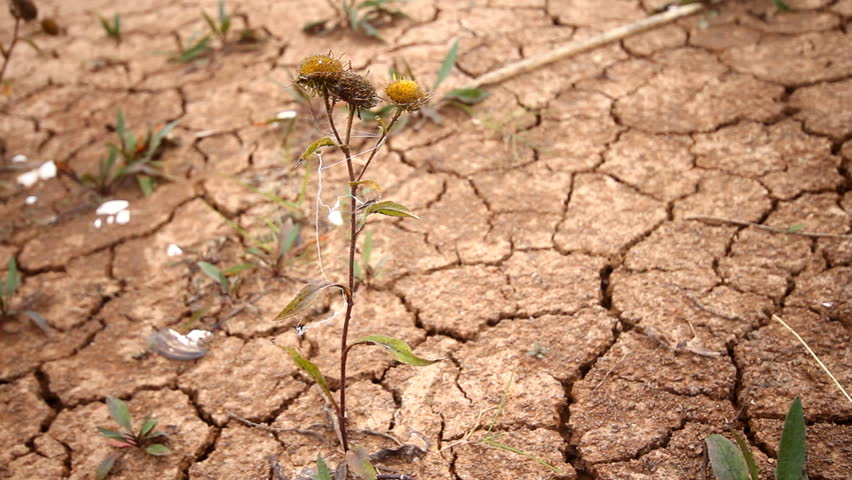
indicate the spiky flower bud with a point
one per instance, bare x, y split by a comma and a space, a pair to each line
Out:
319, 73
23, 9
356, 90
406, 94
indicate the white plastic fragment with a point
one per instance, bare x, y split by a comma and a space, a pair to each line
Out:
286, 115
31, 200
28, 179
122, 217
172, 345
110, 219
112, 207
98, 223
173, 250
47, 170
334, 215
19, 158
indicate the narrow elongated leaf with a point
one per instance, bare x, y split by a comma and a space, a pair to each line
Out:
147, 426
158, 137
146, 184
791, 451
391, 209
158, 449
120, 128
468, 96
368, 183
749, 458
216, 274
105, 467
313, 371
359, 461
238, 268
312, 148
210, 22
38, 320
13, 279
726, 459
107, 433
447, 66
303, 299
398, 349
323, 472
119, 412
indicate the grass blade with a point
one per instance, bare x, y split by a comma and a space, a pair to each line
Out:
447, 66
792, 452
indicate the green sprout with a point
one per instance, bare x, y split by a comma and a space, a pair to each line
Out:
8, 288
228, 279
731, 461
365, 17
112, 28
146, 438
133, 157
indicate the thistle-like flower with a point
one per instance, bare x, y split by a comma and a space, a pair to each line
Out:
356, 91
406, 94
319, 73
23, 9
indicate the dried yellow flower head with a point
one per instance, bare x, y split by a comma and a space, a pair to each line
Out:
355, 90
406, 94
319, 73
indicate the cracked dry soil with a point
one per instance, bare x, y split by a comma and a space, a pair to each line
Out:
569, 231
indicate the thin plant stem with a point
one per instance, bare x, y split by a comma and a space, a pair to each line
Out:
353, 238
7, 55
385, 132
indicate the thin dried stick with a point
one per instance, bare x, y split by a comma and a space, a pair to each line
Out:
786, 231
573, 48
788, 327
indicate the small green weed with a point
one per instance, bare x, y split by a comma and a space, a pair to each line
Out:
365, 17
112, 28
365, 270
146, 438
133, 157
731, 461
8, 288
228, 279
222, 25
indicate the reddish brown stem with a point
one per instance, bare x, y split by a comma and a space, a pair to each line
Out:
7, 54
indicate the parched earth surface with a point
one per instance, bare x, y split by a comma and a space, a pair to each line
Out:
563, 243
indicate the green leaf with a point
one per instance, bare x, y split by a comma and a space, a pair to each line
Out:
791, 451
120, 128
237, 269
368, 183
314, 27
119, 412
447, 66
323, 472
105, 467
158, 137
468, 96
726, 459
146, 184
147, 426
359, 461
370, 30
782, 6
397, 349
210, 22
216, 274
312, 370
795, 228
391, 209
195, 50
288, 238
303, 299
749, 458
107, 433
312, 148
13, 279
158, 449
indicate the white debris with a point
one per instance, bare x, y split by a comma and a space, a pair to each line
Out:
196, 336
827, 304
173, 250
110, 219
286, 115
31, 200
122, 217
112, 207
19, 158
334, 215
47, 170
98, 223
28, 179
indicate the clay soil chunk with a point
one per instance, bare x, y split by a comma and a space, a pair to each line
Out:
24, 412
240, 452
